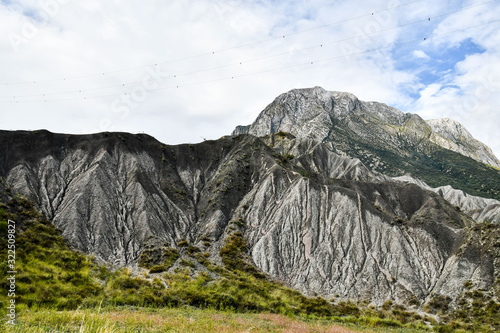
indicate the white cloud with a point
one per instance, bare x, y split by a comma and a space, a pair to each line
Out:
471, 93
430, 91
419, 54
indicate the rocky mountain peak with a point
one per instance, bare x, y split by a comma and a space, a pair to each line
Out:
298, 108
450, 129
308, 113
384, 138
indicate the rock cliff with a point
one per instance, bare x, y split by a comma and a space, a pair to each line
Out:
452, 135
320, 222
440, 152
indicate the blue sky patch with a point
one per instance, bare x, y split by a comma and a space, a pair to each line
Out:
433, 64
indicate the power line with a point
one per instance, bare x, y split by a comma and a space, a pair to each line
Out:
176, 75
48, 95
105, 73
307, 63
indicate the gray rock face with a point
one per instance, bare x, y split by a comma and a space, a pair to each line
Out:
478, 208
320, 222
312, 113
383, 138
450, 134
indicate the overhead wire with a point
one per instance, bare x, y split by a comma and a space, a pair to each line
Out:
209, 53
329, 59
47, 97
306, 63
73, 91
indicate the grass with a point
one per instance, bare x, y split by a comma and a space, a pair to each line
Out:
434, 165
61, 290
127, 319
48, 271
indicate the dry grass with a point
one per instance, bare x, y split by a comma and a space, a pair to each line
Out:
292, 325
166, 320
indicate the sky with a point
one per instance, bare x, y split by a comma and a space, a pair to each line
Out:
189, 70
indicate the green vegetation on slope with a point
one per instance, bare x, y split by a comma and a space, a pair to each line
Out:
52, 277
476, 308
48, 272
434, 165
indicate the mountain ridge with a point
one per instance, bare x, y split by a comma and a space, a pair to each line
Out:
341, 104
384, 138
319, 222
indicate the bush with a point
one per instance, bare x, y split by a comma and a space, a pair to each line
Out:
157, 269
233, 255
122, 282
347, 309
187, 263
317, 306
160, 256
438, 303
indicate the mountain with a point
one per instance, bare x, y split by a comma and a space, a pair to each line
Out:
321, 223
480, 209
452, 135
439, 152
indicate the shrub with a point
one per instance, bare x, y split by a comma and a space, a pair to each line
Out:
282, 134
124, 281
192, 250
438, 303
347, 309
317, 306
187, 263
170, 256
234, 257
157, 269
164, 256
387, 305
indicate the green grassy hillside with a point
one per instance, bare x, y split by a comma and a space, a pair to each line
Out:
58, 289
434, 165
